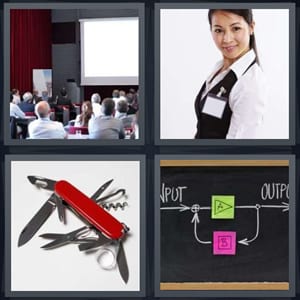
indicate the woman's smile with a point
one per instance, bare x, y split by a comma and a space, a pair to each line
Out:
229, 49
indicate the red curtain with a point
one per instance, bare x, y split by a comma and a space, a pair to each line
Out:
30, 45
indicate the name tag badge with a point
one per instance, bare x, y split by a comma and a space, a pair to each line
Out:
214, 106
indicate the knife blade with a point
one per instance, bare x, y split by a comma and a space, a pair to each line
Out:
37, 221
102, 188
42, 182
122, 263
60, 209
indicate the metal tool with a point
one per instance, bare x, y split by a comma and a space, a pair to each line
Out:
100, 219
110, 233
49, 206
80, 235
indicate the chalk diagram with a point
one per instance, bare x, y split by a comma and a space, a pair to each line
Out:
223, 207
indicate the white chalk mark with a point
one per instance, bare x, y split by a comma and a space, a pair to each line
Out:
245, 241
181, 208
196, 221
284, 205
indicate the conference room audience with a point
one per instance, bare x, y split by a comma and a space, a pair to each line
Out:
26, 105
86, 114
106, 126
43, 127
96, 99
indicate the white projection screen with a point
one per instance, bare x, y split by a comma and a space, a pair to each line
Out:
109, 51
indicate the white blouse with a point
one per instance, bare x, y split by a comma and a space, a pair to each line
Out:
247, 99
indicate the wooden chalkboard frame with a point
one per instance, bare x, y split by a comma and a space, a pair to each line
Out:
233, 288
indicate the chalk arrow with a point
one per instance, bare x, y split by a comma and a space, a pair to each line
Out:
196, 220
181, 208
285, 206
245, 241
184, 207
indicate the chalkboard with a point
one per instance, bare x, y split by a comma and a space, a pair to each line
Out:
259, 219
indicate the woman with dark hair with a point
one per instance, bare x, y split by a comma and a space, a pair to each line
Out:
231, 102
86, 114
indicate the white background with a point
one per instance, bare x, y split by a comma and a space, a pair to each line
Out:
66, 268
109, 50
188, 55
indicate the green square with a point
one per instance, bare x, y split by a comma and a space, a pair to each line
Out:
222, 207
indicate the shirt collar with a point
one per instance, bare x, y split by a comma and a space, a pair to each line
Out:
240, 66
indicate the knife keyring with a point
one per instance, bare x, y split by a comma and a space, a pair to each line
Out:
107, 256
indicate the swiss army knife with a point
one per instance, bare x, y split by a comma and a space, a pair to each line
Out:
109, 233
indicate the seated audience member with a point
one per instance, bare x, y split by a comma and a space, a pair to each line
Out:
14, 109
15, 112
26, 105
122, 108
45, 97
96, 99
35, 97
16, 96
86, 114
43, 127
116, 96
106, 126
52, 101
122, 95
130, 100
64, 100
135, 133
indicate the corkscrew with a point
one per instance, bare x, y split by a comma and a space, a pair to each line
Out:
115, 206
110, 205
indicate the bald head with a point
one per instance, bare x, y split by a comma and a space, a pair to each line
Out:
42, 109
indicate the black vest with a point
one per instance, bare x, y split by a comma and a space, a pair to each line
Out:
210, 127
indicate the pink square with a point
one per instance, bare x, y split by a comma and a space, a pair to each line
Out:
224, 243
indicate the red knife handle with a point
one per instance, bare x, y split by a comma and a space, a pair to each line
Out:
89, 210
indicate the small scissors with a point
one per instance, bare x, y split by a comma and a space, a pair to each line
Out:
80, 236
